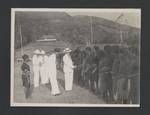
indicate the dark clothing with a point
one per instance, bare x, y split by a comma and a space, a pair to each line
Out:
122, 78
122, 90
87, 71
61, 61
107, 61
77, 59
26, 78
25, 75
115, 71
82, 79
134, 80
134, 93
105, 77
105, 85
96, 59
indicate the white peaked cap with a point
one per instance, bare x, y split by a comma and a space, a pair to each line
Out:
37, 51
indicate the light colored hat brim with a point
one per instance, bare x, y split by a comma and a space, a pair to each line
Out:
42, 53
67, 50
36, 52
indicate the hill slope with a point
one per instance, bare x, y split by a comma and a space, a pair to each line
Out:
74, 29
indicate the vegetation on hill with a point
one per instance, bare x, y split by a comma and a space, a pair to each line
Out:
74, 29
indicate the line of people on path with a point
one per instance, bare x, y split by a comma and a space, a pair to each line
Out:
111, 73
45, 71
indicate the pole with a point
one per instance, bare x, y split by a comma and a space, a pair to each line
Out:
121, 32
21, 41
121, 37
127, 34
91, 23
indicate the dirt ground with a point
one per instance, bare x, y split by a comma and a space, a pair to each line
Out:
42, 94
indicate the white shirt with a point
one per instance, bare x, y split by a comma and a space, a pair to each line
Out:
45, 60
52, 62
68, 64
41, 60
35, 60
52, 59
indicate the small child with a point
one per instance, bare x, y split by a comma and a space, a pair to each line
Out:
26, 76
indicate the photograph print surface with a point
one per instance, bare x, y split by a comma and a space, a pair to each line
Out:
75, 57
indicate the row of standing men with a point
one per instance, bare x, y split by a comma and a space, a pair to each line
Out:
111, 73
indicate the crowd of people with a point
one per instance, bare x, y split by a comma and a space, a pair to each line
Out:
111, 73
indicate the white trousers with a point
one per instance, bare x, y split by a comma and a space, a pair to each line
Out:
68, 80
44, 74
36, 73
53, 81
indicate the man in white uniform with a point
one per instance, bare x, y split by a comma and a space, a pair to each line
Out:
53, 75
44, 67
68, 70
36, 68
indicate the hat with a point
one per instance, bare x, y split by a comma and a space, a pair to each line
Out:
42, 52
37, 52
67, 50
57, 50
25, 57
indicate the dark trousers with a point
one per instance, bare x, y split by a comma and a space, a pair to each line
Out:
94, 82
27, 91
87, 80
105, 89
26, 85
80, 82
134, 91
75, 75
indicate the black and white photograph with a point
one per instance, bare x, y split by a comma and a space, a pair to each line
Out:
75, 57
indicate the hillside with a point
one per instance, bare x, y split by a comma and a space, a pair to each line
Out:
74, 29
